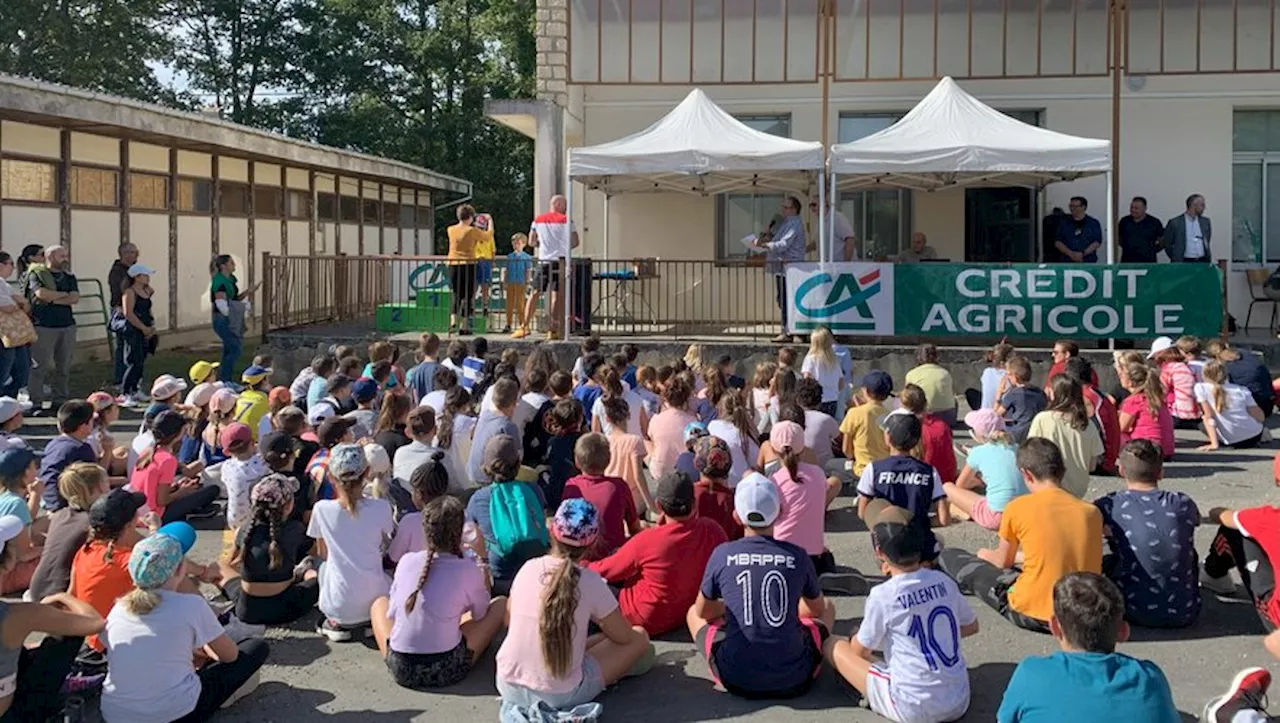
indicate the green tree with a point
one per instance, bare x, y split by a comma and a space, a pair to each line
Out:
104, 45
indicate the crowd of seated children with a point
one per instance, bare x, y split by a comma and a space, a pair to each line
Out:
1065, 422
991, 465
1021, 401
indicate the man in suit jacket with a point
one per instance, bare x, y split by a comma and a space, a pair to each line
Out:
1187, 236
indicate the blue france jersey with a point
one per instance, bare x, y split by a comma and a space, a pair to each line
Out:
908, 483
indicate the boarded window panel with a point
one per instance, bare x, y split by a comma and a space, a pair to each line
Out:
1180, 36
1144, 36
1217, 37
645, 33
1092, 37
770, 32
707, 34
266, 202
1057, 43
1253, 34
917, 38
94, 187
584, 41
1021, 40
28, 181
851, 40
234, 198
615, 39
802, 40
739, 50
988, 38
148, 192
885, 45
953, 38
676, 60
195, 195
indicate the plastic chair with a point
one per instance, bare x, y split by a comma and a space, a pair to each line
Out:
1258, 283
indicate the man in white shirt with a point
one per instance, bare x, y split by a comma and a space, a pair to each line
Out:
553, 235
1187, 237
842, 245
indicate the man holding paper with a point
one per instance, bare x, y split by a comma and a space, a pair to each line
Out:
788, 245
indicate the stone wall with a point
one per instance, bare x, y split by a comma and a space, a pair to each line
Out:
552, 32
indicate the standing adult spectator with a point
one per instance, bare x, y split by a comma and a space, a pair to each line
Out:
1141, 235
139, 334
843, 245
787, 245
1049, 235
32, 254
54, 291
15, 361
553, 235
118, 280
230, 311
918, 251
1187, 236
1079, 234
464, 237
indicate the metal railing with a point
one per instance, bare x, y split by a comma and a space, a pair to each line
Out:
638, 297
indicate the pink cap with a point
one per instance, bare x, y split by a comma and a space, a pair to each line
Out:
233, 434
224, 400
101, 401
983, 422
787, 434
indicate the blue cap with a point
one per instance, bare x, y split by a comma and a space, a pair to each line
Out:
695, 430
364, 389
878, 383
255, 374
15, 461
182, 532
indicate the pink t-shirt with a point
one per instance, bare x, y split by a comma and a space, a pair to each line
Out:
162, 469
520, 657
801, 521
666, 432
455, 585
625, 453
1158, 429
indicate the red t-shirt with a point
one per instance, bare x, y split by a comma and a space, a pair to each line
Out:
939, 448
617, 510
161, 470
1059, 367
717, 505
660, 570
1262, 525
1109, 419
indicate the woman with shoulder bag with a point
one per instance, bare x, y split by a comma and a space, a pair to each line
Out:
17, 333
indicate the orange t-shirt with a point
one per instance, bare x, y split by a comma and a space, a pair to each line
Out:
98, 582
462, 243
1058, 534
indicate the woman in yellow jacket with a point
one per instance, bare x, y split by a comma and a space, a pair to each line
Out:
463, 239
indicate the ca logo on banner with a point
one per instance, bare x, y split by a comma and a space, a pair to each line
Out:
847, 298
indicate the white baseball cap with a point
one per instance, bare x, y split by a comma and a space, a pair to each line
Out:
1160, 345
140, 269
319, 413
757, 500
10, 407
166, 386
10, 527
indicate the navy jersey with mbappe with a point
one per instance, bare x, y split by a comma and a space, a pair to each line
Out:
908, 483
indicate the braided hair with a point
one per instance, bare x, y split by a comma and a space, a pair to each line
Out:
430, 480
442, 521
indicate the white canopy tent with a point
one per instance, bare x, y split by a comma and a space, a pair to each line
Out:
951, 139
698, 149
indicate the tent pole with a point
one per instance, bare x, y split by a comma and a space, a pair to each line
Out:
1109, 234
831, 217
566, 288
822, 219
606, 226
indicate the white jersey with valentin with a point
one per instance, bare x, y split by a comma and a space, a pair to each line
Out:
915, 619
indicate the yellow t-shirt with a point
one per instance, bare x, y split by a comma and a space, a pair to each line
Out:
1080, 447
862, 425
939, 392
485, 247
462, 242
1057, 534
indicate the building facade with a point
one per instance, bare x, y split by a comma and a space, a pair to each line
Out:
1191, 85
92, 172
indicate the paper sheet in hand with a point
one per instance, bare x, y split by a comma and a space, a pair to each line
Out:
750, 242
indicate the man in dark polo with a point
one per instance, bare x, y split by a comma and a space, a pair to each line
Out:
1079, 234
1141, 235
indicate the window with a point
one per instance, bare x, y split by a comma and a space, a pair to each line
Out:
371, 211
28, 181
195, 195
739, 214
266, 202
148, 192
235, 198
299, 205
327, 206
1255, 187
390, 214
350, 209
426, 219
94, 187
406, 216
881, 219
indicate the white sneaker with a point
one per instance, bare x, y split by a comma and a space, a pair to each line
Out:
1221, 585
127, 401
249, 686
240, 631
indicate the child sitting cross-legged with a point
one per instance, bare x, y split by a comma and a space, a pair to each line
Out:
508, 513
610, 495
916, 618
906, 482
993, 465
1151, 533
438, 619
711, 493
1087, 680
760, 618
653, 566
